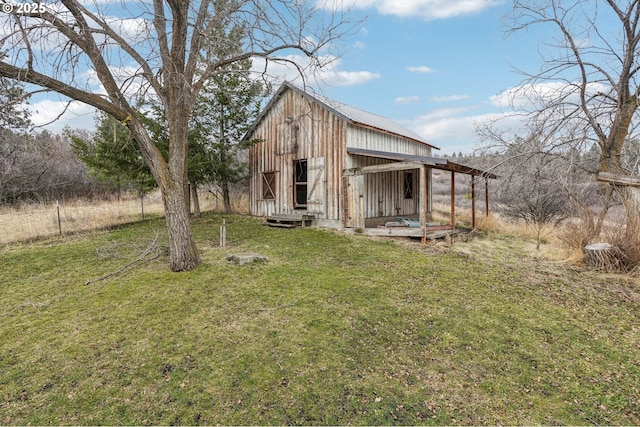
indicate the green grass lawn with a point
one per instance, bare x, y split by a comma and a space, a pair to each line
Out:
334, 329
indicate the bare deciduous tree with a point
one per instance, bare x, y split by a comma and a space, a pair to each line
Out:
40, 167
535, 191
89, 51
587, 91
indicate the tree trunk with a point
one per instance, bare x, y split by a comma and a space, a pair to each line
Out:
631, 202
226, 197
172, 179
195, 200
604, 257
603, 212
183, 253
187, 195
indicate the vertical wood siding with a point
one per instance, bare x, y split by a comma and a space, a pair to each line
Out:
296, 128
293, 129
369, 139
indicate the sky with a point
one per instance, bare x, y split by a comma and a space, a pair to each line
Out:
435, 66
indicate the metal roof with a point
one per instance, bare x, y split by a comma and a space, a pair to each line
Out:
435, 162
431, 161
362, 118
352, 115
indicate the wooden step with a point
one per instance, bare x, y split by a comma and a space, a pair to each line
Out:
289, 220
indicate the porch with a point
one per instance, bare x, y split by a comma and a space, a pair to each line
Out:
357, 216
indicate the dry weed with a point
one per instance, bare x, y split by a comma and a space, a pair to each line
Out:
39, 220
577, 233
626, 237
35, 221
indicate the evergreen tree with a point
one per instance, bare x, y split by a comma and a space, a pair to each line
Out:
113, 157
228, 105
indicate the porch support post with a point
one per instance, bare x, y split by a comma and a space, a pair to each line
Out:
453, 200
486, 196
473, 201
423, 202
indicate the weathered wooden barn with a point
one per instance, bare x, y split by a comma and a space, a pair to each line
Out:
340, 166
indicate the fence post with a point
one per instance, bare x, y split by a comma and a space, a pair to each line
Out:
59, 221
142, 204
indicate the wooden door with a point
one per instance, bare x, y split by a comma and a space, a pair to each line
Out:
353, 201
316, 187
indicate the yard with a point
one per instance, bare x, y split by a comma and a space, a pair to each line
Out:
333, 329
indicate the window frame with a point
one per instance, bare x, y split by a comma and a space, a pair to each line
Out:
269, 185
409, 186
299, 185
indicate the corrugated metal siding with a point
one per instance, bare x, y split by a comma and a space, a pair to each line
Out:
384, 192
369, 139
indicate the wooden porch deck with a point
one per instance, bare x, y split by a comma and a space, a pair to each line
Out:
432, 233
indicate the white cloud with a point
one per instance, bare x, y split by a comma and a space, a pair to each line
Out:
328, 74
456, 128
425, 9
446, 112
447, 127
131, 29
52, 116
347, 78
420, 69
449, 98
532, 96
405, 100
441, 125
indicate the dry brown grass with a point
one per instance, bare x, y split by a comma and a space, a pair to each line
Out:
626, 237
38, 220
494, 223
576, 233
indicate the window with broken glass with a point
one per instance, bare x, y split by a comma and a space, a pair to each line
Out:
300, 183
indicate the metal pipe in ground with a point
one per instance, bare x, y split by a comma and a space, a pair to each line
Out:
223, 234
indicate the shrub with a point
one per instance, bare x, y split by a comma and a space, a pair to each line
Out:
626, 237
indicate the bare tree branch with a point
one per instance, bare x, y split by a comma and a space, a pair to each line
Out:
74, 44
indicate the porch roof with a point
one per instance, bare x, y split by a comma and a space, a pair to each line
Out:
434, 162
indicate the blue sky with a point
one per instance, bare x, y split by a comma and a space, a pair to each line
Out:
436, 76
435, 66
